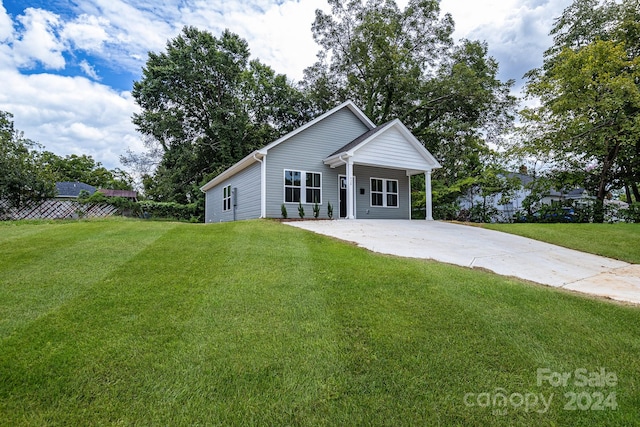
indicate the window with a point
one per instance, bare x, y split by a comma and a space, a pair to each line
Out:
384, 192
226, 198
303, 187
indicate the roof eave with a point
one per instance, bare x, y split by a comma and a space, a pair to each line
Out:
241, 165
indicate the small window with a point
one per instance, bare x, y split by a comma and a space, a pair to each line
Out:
302, 187
384, 192
313, 187
226, 198
292, 186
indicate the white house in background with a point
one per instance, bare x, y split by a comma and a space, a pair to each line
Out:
340, 158
579, 197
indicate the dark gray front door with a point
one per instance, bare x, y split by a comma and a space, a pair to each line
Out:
342, 180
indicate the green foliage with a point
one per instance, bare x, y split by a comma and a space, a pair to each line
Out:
632, 213
170, 210
84, 169
330, 210
300, 210
204, 106
316, 210
403, 64
22, 178
283, 211
171, 324
589, 88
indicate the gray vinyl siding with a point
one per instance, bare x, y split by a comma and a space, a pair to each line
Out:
305, 152
364, 210
247, 183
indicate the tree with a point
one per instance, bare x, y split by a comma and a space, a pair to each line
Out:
404, 64
589, 90
204, 106
22, 179
85, 169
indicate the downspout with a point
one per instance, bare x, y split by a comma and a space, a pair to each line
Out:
263, 184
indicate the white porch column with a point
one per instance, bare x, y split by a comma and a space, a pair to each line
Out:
350, 213
427, 189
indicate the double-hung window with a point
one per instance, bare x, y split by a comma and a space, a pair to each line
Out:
226, 198
302, 187
384, 192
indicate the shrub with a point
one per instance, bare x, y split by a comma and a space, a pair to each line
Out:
283, 211
329, 210
316, 210
300, 210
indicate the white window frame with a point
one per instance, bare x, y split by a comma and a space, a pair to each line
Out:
226, 198
303, 186
385, 193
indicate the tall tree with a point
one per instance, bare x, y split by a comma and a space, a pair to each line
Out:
22, 177
589, 90
205, 105
403, 63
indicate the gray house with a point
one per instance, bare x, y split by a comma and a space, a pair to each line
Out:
341, 158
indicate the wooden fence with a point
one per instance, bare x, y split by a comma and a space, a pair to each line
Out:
56, 209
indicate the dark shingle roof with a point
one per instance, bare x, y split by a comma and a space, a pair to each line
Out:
359, 139
73, 189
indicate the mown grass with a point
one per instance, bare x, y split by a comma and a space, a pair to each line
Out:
619, 241
258, 323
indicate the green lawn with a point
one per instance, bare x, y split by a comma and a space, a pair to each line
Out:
258, 323
619, 241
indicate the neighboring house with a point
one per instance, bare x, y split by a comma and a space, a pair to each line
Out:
71, 190
579, 197
341, 158
506, 211
127, 194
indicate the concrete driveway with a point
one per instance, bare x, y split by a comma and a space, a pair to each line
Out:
502, 253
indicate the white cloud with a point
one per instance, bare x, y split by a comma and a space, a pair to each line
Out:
77, 115
38, 41
89, 70
6, 25
71, 115
88, 33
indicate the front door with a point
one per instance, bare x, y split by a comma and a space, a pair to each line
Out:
342, 188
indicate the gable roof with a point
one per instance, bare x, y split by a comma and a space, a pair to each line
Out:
359, 140
351, 148
259, 154
73, 189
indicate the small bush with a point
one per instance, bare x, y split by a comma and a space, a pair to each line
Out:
316, 210
283, 211
329, 210
300, 210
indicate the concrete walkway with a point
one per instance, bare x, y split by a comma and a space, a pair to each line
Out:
502, 253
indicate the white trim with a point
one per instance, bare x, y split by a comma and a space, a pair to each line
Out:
384, 193
253, 157
432, 163
263, 187
350, 187
428, 196
226, 198
303, 186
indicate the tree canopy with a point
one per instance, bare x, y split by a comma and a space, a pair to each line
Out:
22, 177
404, 64
589, 91
204, 106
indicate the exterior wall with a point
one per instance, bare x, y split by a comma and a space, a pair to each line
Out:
391, 148
305, 152
247, 183
364, 210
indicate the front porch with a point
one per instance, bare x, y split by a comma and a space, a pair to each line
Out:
378, 167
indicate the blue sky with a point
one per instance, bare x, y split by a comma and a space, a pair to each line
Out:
67, 66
